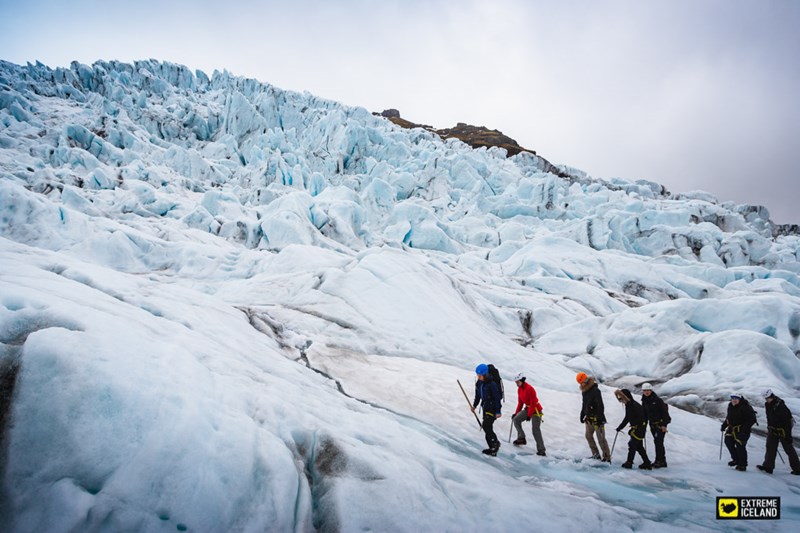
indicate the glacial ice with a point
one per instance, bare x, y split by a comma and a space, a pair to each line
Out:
229, 307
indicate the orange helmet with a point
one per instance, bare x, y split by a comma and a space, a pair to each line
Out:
581, 377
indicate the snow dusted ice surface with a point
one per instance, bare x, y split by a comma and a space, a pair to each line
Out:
228, 307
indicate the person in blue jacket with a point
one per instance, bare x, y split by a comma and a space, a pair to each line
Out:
487, 394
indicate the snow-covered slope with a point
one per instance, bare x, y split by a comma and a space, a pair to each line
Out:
225, 307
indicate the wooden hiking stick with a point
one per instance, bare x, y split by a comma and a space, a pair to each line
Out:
470, 405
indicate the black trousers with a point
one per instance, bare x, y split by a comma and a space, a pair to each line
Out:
738, 447
635, 445
658, 440
488, 431
772, 449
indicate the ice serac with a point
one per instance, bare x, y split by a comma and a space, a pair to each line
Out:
229, 307
262, 142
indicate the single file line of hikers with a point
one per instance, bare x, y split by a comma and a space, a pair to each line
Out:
652, 412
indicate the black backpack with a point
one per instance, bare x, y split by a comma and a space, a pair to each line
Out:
750, 411
496, 377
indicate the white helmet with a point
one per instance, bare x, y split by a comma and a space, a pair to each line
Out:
520, 376
647, 386
767, 393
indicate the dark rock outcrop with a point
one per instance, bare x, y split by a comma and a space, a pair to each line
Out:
475, 136
478, 136
785, 229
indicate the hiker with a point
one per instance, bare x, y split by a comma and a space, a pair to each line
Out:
779, 429
487, 393
593, 415
656, 413
634, 415
526, 397
737, 426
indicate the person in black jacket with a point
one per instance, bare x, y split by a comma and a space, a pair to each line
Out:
487, 393
593, 415
740, 420
634, 414
657, 415
779, 429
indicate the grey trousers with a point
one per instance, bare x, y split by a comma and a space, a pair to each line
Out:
601, 439
536, 430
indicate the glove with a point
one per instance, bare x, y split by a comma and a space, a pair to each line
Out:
527, 418
582, 419
620, 428
723, 426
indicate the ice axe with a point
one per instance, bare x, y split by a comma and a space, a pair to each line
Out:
470, 405
612, 446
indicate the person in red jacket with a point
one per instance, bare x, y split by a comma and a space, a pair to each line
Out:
526, 397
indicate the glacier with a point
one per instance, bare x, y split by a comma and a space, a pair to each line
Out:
230, 307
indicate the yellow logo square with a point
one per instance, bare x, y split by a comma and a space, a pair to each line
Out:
728, 507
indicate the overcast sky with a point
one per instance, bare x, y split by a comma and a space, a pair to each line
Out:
693, 94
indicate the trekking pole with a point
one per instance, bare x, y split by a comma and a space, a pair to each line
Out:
779, 455
721, 437
612, 446
470, 405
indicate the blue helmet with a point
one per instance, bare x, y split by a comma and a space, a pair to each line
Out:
481, 369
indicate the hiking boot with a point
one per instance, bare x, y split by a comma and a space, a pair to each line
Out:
646, 466
595, 456
660, 464
796, 472
490, 451
607, 459
520, 442
731, 463
627, 465
541, 453
741, 468
764, 469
